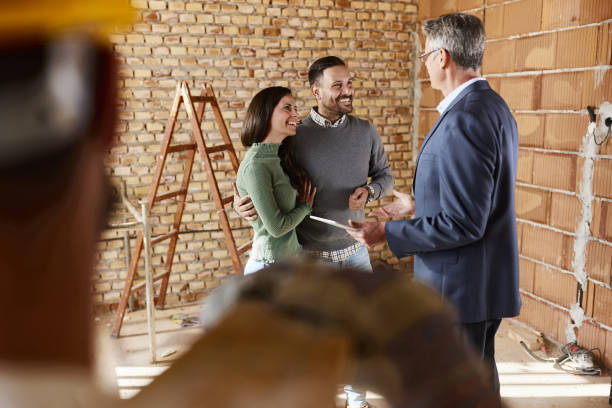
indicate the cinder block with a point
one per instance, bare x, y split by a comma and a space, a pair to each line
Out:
531, 129
558, 287
597, 87
554, 171
526, 274
537, 52
522, 17
577, 48
498, 57
562, 91
525, 166
494, 22
565, 212
599, 261
521, 93
548, 246
532, 204
602, 177
565, 131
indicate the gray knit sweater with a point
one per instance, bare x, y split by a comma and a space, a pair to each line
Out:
338, 160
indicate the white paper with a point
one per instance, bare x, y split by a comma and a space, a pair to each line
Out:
334, 223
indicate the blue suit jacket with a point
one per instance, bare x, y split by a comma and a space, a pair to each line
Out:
463, 234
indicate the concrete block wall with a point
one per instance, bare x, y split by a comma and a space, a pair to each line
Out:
549, 59
241, 47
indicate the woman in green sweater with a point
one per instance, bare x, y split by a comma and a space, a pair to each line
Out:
279, 189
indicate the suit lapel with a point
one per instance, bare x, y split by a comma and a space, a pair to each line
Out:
478, 85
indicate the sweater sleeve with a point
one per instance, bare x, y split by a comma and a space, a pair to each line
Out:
259, 183
381, 177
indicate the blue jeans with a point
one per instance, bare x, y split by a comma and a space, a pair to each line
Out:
253, 265
360, 260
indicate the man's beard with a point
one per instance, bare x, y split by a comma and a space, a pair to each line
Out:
338, 108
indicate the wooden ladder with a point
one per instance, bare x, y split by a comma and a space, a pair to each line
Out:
183, 95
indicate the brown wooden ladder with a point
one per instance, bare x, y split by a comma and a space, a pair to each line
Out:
183, 95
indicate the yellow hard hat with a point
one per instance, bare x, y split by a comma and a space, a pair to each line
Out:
49, 18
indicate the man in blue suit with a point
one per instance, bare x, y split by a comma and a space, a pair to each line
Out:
463, 233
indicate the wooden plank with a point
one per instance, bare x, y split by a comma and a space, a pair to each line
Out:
182, 148
164, 237
171, 194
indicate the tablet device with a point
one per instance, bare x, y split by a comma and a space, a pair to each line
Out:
334, 223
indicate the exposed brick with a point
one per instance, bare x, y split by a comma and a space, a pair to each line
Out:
564, 211
558, 287
537, 52
468, 4
604, 49
525, 166
429, 96
565, 132
601, 226
531, 129
521, 92
498, 57
602, 178
532, 204
522, 17
426, 121
548, 246
494, 21
568, 13
577, 48
597, 87
599, 261
543, 318
526, 274
554, 170
590, 336
562, 91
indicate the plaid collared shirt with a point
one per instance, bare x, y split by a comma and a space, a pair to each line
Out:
340, 255
321, 121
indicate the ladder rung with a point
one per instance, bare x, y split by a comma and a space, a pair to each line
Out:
219, 148
170, 195
164, 237
227, 200
143, 283
202, 98
243, 248
182, 148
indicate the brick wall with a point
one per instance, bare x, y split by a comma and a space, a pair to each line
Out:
242, 47
549, 59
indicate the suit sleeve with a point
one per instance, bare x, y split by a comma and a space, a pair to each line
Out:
259, 185
466, 170
381, 177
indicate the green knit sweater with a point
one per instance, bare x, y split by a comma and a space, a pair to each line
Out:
261, 177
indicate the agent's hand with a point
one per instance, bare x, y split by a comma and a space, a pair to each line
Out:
308, 193
244, 206
358, 199
370, 233
403, 206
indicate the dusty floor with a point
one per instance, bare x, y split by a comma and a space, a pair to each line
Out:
124, 364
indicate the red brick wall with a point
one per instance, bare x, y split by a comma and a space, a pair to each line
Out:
549, 59
241, 47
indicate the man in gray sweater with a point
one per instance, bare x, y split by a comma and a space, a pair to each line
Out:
340, 152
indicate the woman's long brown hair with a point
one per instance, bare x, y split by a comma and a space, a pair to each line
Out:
256, 128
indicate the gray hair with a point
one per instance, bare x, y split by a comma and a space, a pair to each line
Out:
462, 35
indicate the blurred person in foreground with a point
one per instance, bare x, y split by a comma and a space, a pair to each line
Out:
282, 337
